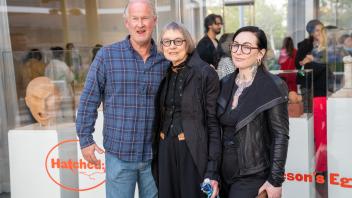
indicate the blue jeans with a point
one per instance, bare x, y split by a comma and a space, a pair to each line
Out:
122, 176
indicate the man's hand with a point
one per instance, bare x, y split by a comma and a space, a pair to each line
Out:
215, 185
273, 192
88, 153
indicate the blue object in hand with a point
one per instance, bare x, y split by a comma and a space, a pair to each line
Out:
207, 188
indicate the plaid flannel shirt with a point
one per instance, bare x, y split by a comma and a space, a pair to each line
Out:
127, 86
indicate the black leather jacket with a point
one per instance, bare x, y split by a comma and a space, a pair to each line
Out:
260, 138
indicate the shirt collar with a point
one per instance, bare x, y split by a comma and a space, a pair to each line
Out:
153, 49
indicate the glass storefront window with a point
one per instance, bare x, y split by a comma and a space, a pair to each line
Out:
67, 69
336, 13
339, 103
42, 24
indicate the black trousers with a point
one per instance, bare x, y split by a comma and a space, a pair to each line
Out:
246, 186
178, 175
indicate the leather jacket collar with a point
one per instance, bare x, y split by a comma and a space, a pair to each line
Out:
266, 91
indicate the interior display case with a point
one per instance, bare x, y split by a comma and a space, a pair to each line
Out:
339, 116
300, 91
301, 154
45, 157
46, 83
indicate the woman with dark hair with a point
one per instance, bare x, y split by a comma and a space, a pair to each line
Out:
32, 68
287, 62
35, 54
252, 110
225, 65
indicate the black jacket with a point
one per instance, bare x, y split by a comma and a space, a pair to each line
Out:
305, 47
207, 51
199, 122
260, 135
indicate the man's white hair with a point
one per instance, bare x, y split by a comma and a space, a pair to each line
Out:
149, 3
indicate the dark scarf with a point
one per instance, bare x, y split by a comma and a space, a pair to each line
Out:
266, 91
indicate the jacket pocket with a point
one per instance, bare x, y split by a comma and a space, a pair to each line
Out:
230, 162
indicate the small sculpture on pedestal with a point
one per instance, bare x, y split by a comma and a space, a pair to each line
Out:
43, 99
295, 104
346, 90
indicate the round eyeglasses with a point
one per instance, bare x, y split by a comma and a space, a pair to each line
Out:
177, 42
245, 49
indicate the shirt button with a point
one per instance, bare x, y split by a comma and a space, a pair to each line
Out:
172, 126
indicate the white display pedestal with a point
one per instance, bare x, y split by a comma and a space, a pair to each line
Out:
28, 147
300, 158
339, 146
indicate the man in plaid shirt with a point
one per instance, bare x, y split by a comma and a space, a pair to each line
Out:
125, 77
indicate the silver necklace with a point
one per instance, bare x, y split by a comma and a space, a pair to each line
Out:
242, 85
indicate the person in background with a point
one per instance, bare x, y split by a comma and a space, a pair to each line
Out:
287, 62
124, 77
95, 50
252, 111
346, 45
32, 67
68, 54
207, 45
189, 148
312, 54
57, 70
225, 65
62, 76
337, 50
73, 59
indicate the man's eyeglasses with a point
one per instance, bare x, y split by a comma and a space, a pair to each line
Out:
245, 49
177, 42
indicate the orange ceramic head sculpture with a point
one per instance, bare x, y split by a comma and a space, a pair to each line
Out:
295, 105
43, 99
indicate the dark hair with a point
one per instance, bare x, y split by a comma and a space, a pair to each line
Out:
95, 50
311, 25
262, 42
57, 52
343, 38
34, 53
210, 20
224, 45
69, 46
288, 45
